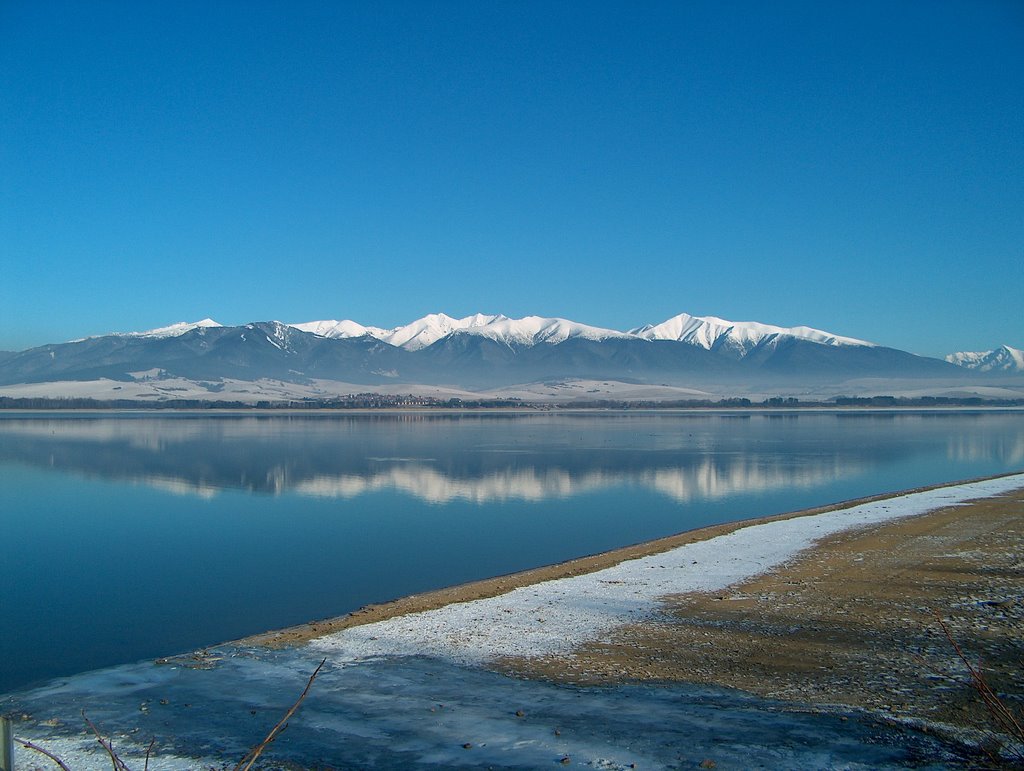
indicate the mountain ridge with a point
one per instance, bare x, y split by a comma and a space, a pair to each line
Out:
476, 353
709, 332
1001, 359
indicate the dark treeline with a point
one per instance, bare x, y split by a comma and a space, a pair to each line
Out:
354, 401
386, 401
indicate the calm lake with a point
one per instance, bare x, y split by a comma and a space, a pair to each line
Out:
135, 536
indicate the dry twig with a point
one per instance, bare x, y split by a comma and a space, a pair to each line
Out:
119, 764
1004, 718
149, 751
30, 746
246, 762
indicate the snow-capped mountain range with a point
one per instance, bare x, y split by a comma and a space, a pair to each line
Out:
708, 332
733, 338
527, 331
482, 353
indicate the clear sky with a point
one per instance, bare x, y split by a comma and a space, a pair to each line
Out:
852, 166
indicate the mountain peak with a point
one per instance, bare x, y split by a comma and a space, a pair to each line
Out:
736, 339
432, 327
1001, 359
713, 333
527, 331
171, 330
686, 350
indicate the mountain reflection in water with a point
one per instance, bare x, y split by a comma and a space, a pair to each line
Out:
195, 529
492, 458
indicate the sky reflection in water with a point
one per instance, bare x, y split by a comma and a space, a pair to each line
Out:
132, 537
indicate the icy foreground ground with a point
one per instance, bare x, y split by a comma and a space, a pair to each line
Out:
420, 713
557, 616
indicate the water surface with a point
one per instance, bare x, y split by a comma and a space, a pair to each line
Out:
130, 537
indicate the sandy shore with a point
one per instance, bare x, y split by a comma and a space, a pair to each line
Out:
849, 623
830, 607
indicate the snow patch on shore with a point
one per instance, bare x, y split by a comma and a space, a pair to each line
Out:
555, 617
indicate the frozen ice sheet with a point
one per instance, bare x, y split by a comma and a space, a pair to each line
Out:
419, 713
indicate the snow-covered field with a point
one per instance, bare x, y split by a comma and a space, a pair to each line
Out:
154, 388
150, 387
557, 616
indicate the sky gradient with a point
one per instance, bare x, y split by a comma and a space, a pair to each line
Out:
856, 167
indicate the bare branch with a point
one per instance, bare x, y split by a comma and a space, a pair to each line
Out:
1003, 717
149, 751
30, 746
246, 763
119, 764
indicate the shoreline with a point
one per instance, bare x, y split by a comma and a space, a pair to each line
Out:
533, 408
859, 621
497, 586
827, 609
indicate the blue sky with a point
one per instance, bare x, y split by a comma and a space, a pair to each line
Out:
857, 167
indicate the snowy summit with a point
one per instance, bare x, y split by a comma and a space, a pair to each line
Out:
426, 331
740, 337
709, 332
1002, 359
171, 330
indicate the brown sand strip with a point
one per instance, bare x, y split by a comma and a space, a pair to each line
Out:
493, 587
849, 623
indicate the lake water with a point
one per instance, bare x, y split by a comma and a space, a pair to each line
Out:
128, 537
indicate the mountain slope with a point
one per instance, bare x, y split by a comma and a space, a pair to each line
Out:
482, 361
783, 355
734, 338
1002, 359
250, 352
480, 351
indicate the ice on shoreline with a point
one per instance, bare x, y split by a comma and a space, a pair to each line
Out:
555, 617
420, 714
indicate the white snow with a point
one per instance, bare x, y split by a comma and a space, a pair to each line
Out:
162, 388
431, 328
173, 330
707, 331
704, 331
80, 753
340, 329
742, 336
413, 336
555, 617
1002, 359
533, 330
157, 385
530, 330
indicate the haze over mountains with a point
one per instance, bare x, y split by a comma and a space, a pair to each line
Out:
485, 353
